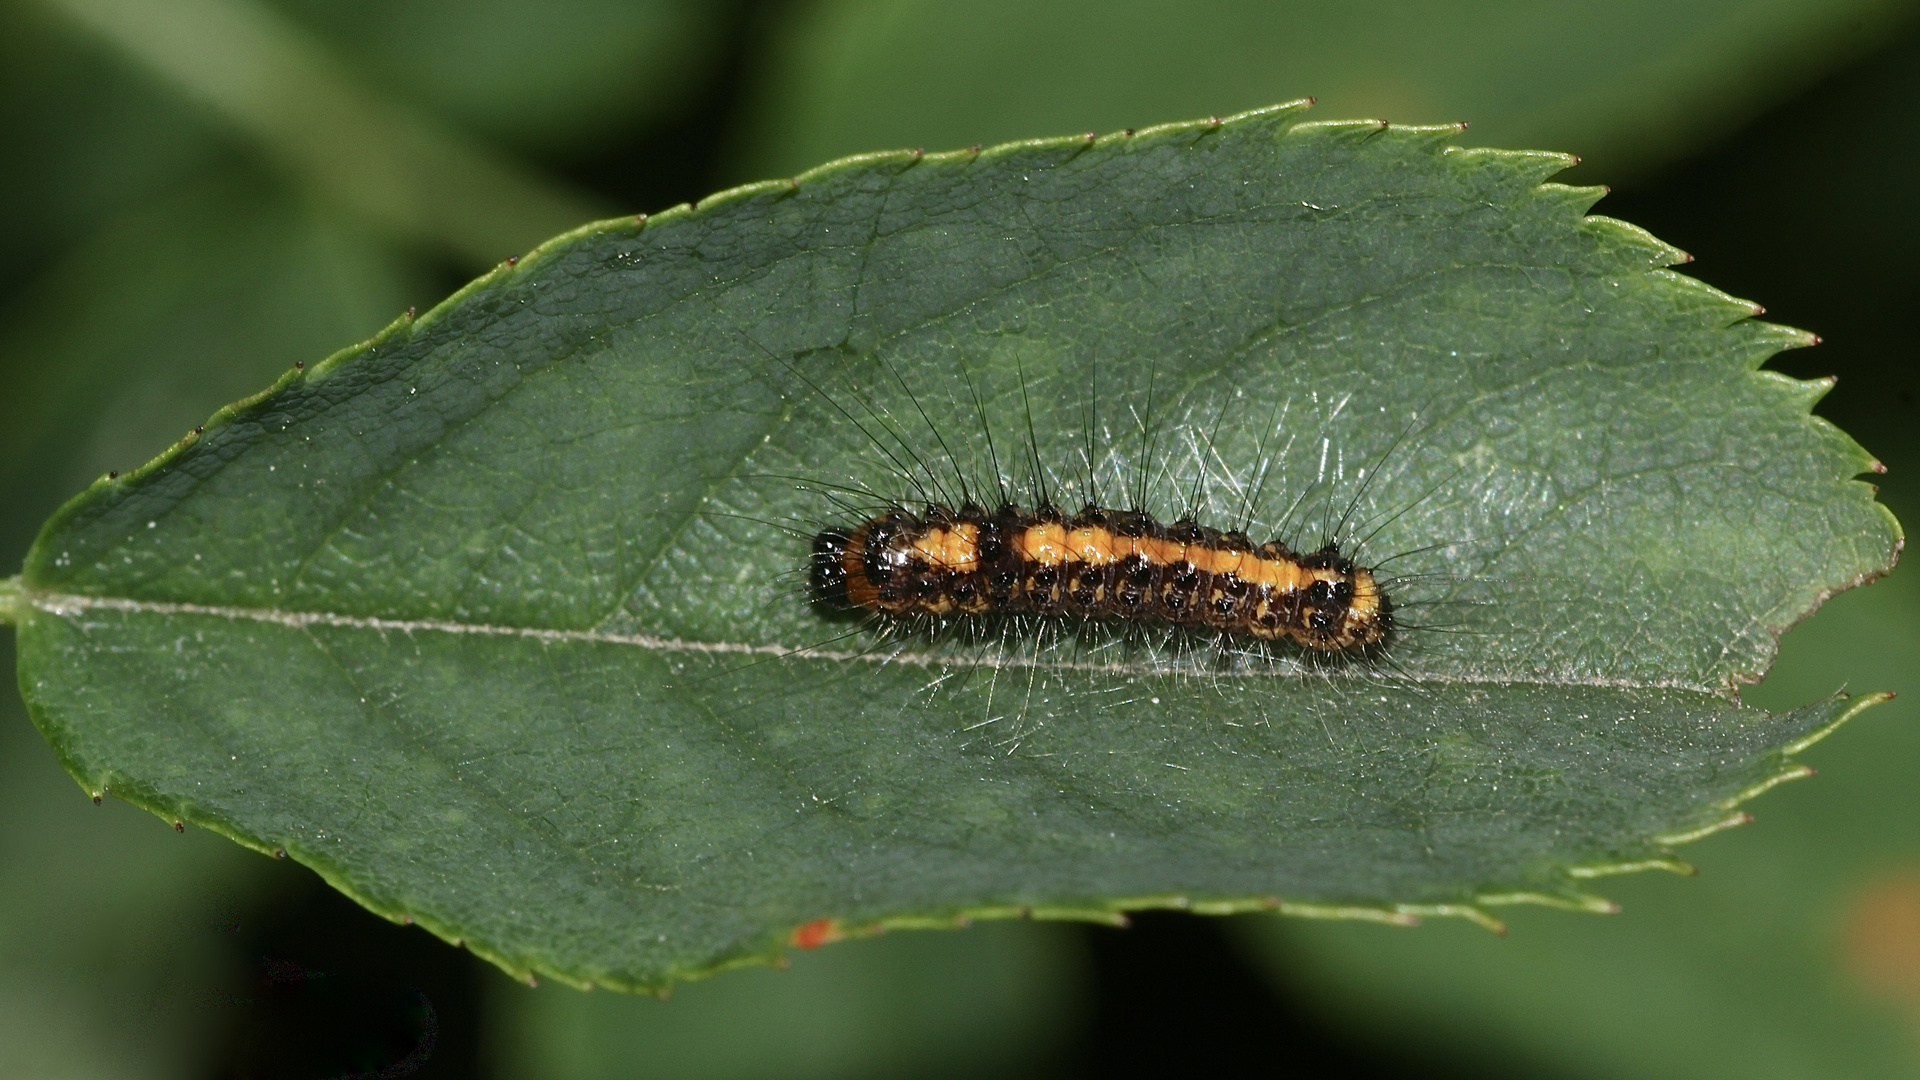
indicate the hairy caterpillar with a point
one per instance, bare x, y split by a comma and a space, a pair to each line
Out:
933, 557
1101, 564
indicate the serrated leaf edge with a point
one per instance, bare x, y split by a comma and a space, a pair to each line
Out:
1111, 913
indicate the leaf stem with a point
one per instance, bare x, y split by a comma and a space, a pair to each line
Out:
13, 600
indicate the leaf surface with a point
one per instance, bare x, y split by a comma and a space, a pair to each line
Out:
499, 622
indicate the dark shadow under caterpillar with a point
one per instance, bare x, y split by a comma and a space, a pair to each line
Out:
1100, 564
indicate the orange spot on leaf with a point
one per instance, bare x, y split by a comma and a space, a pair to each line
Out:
812, 935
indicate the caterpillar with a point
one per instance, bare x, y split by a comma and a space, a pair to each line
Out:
1101, 564
946, 553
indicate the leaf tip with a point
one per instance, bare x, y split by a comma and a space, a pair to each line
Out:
1857, 706
1478, 916
1689, 836
1565, 901
1397, 915
1795, 772
1667, 863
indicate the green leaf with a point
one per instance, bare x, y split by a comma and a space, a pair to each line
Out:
498, 620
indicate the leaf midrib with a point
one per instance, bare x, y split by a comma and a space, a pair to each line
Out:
64, 605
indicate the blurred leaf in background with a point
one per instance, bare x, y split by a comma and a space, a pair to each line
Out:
1626, 84
995, 1001
548, 79
204, 192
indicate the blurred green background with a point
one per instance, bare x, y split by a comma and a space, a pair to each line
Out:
198, 193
